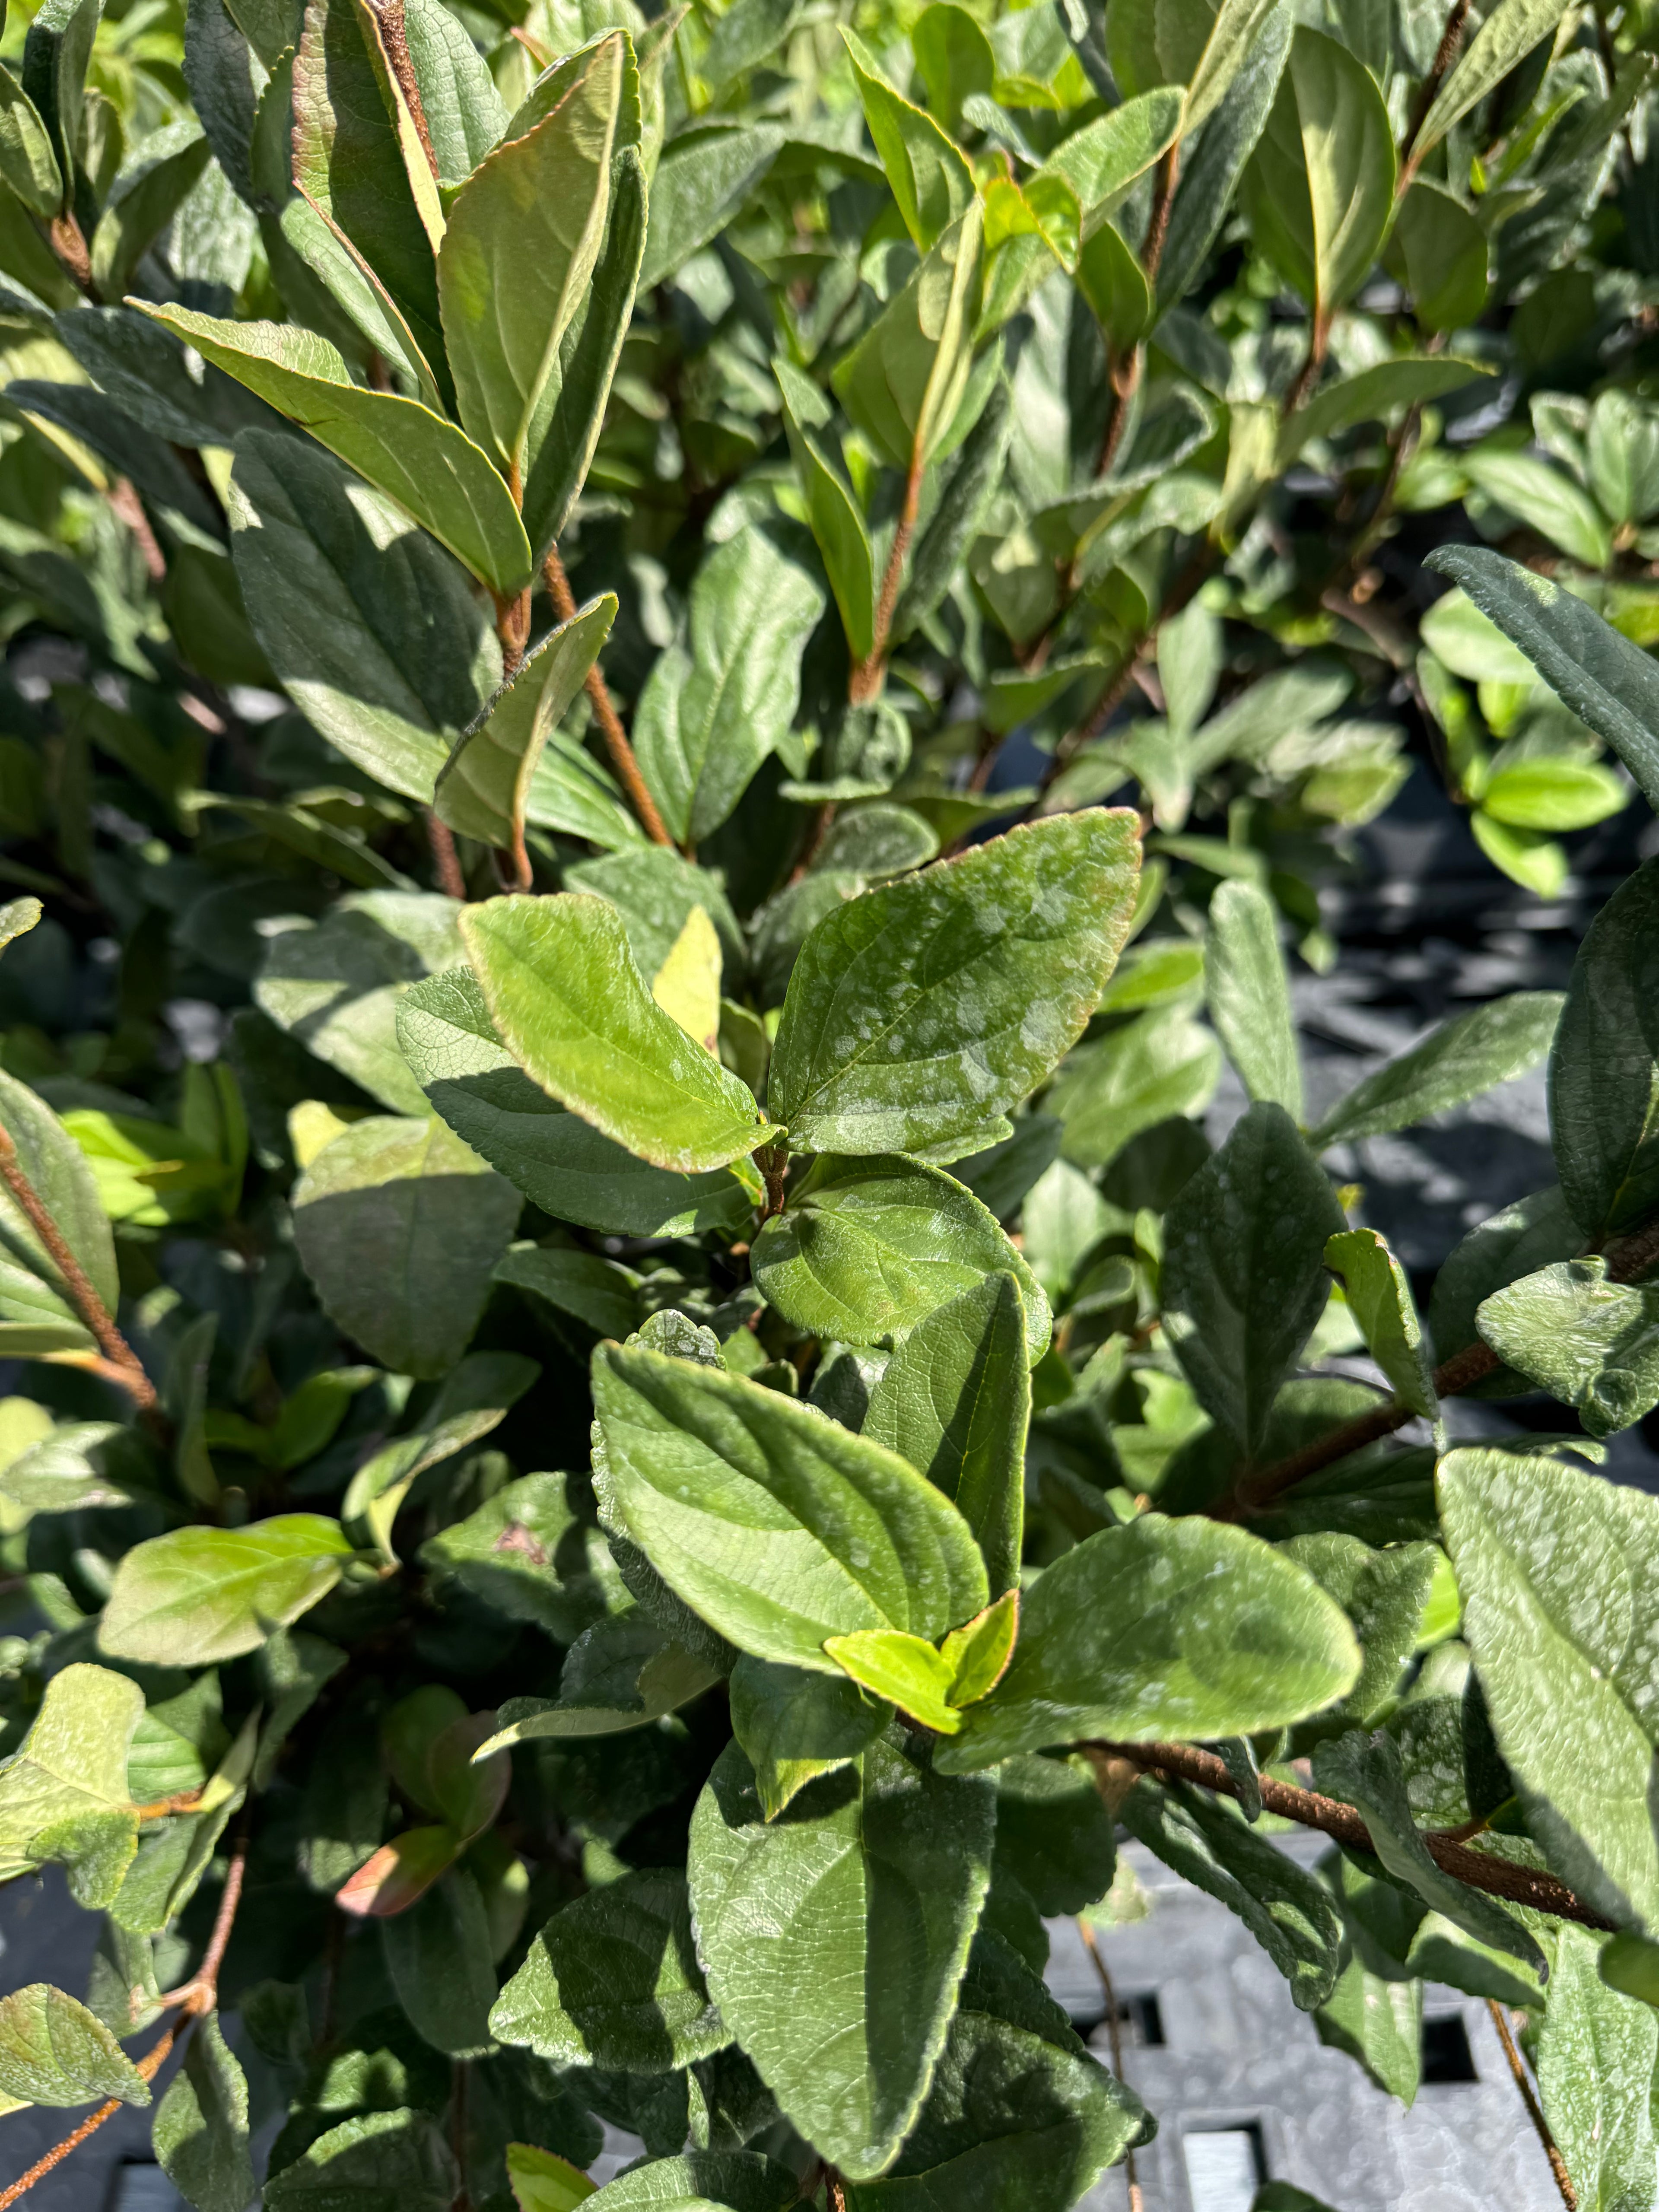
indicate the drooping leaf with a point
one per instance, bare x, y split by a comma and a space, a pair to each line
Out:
201, 2127
1381, 1302
1456, 1061
54, 2051
198, 1595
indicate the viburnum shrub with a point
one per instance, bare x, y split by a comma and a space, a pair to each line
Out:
644, 1421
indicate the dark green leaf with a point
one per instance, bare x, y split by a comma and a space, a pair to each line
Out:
201, 2127
1604, 1068
1249, 997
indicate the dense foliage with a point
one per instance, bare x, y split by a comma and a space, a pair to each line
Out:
644, 1422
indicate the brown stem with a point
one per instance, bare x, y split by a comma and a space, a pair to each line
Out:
1115, 2035
1185, 1762
1169, 170
512, 629
93, 1310
774, 1164
1318, 338
445, 858
149, 2065
865, 682
1125, 376
524, 875
835, 2189
126, 503
1534, 2110
68, 241
1450, 39
1400, 447
616, 738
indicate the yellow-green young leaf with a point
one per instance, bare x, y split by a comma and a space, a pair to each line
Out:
687, 986
977, 1653
1549, 499
797, 1925
836, 519
1508, 33
1552, 794
17, 917
541, 2181
1239, 25
905, 1669
924, 1010
1320, 186
201, 2128
1439, 253
72, 1764
54, 2051
37, 1311
905, 381
523, 238
929, 172
1163, 1629
794, 1726
1592, 1344
383, 1212
776, 1526
1249, 994
483, 787
868, 1247
199, 1594
432, 471
1381, 1302
569, 1004
955, 1399
27, 162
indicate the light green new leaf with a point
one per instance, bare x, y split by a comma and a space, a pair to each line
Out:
1507, 35
385, 1210
868, 1247
1380, 1299
1592, 1344
954, 1401
375, 633
905, 383
1162, 1629
905, 1670
544, 2181
1249, 995
1604, 1070
199, 1594
1244, 1279
1557, 1570
922, 1011
1595, 2056
794, 1726
201, 2127
708, 719
1548, 500
483, 787
776, 1526
54, 2051
568, 1001
1378, 2022
929, 173
835, 1936
613, 1981
1320, 186
1454, 1062
556, 1159
27, 163
38, 1312
523, 238
1606, 681
70, 1769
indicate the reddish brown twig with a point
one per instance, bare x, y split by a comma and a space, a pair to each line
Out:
445, 858
125, 502
149, 2065
1450, 39
865, 680
835, 2189
1116, 2037
93, 1310
621, 753
1185, 1762
1534, 2110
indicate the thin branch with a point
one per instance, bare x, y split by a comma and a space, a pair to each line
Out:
445, 858
1534, 2110
149, 2065
93, 1310
1158, 230
865, 682
125, 502
616, 738
1115, 2034
1184, 1762
1319, 338
835, 2189
1450, 39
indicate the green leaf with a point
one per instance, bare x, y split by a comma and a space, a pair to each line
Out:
1383, 1594
835, 1936
199, 1594
702, 181
1111, 1088
336, 986
143, 200
1456, 1061
622, 1673
1243, 1282
929, 172
1507, 35
1622, 458
568, 1003
794, 1726
954, 1401
655, 890
838, 1534
1530, 1541
1606, 680
1440, 253
355, 289
544, 2181
1442, 1952
1604, 1069
1249, 997
475, 1398
1595, 2054
613, 1981
1592, 1344
1371, 393
438, 1954
54, 2051
1380, 1299
483, 788
71, 1767
385, 1210
1549, 499
56, 49
595, 1291
1001, 955
560, 1163
201, 2127
1115, 1642
1380, 2023
836, 519
906, 379
707, 719
1289, 1910
435, 473
905, 1670
522, 242
943, 542
27, 162
37, 1310
740, 2179
1552, 794
374, 631
1209, 181
525, 1553
1054, 1834
869, 1247
1239, 26
381, 2162
1320, 187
